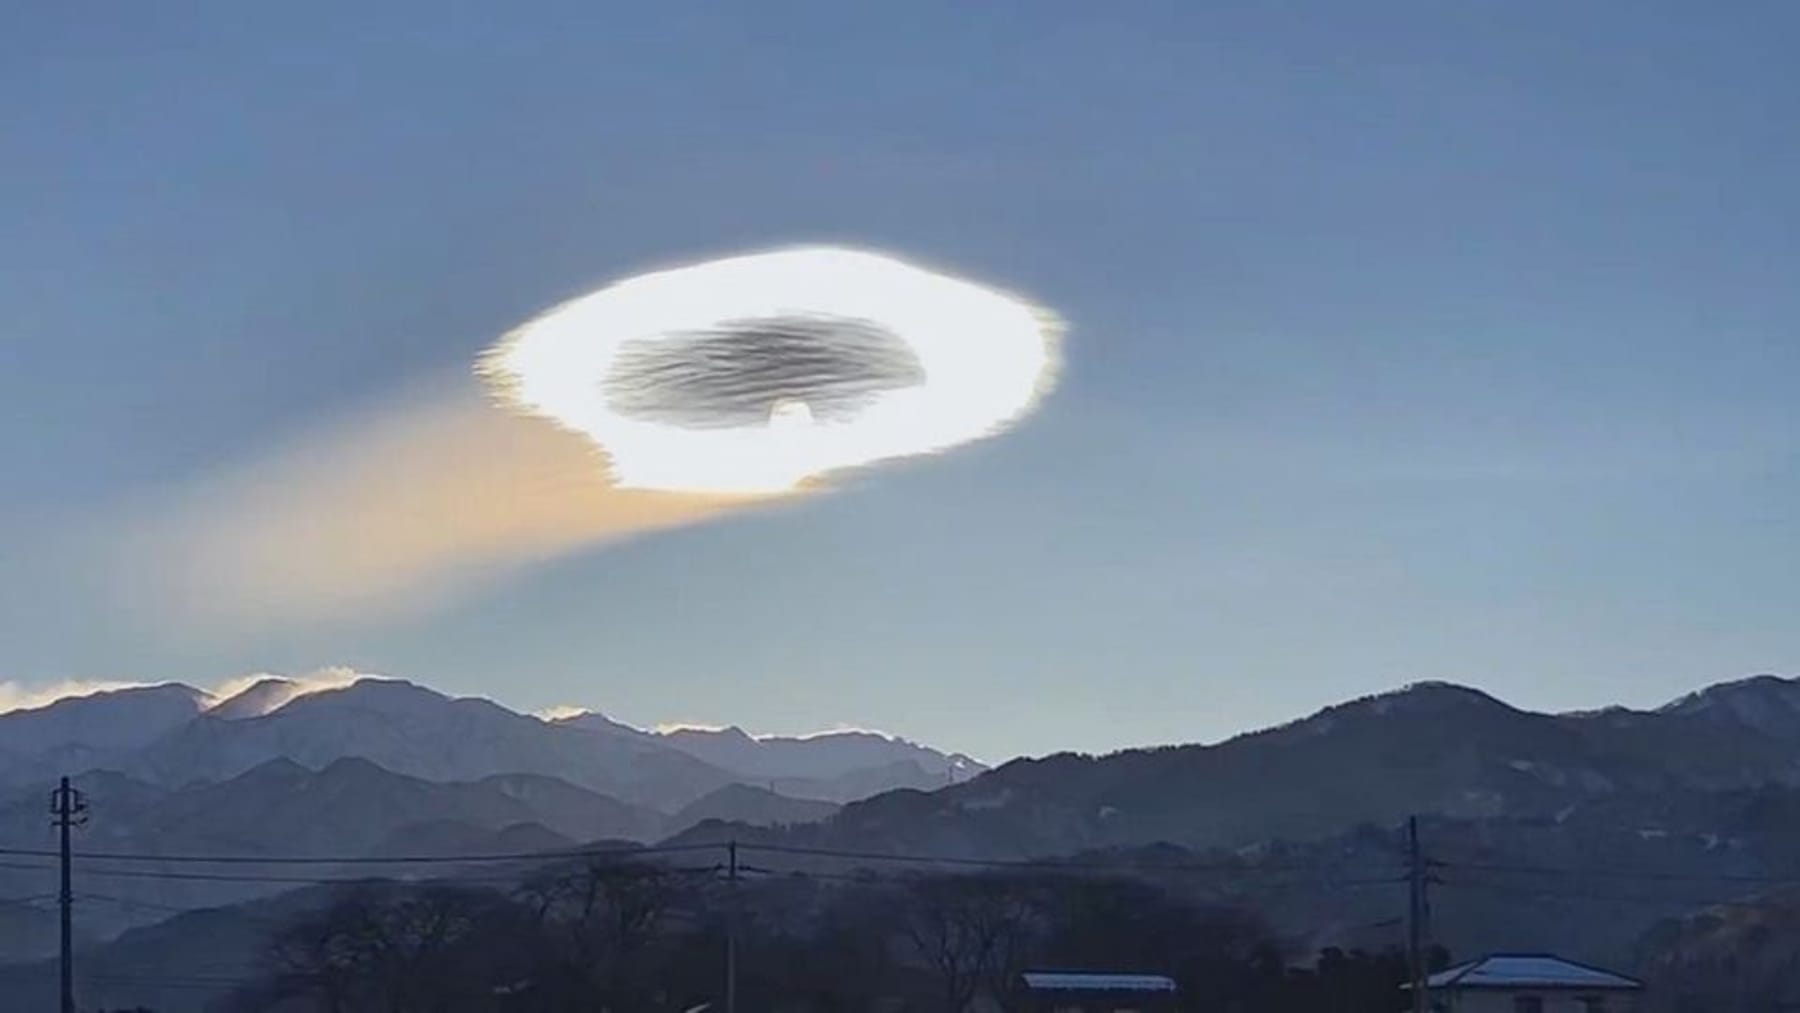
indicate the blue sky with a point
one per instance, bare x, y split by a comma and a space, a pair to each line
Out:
1408, 340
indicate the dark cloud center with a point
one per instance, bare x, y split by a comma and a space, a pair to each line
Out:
733, 374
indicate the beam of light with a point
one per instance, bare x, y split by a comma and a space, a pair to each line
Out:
754, 374
393, 511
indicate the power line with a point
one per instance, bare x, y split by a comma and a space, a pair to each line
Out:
1047, 864
869, 876
171, 909
517, 856
922, 859
1588, 895
910, 858
845, 854
206, 877
841, 877
171, 980
129, 902
1044, 864
1617, 873
223, 877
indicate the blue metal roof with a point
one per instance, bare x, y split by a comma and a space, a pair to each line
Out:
1528, 970
1065, 981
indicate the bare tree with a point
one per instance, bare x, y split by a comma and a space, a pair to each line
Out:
974, 932
387, 947
596, 923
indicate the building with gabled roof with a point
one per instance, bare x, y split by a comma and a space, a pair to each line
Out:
1531, 983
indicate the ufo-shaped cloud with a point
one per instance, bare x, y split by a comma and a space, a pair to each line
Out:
753, 374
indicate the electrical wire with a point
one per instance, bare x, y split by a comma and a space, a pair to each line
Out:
1617, 873
1047, 864
517, 856
1588, 895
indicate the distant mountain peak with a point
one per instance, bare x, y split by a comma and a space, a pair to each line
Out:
179, 691
1433, 696
1764, 683
276, 771
70, 695
732, 732
593, 721
329, 728
103, 721
1440, 690
376, 692
1768, 703
838, 765
751, 805
1425, 697
261, 697
348, 767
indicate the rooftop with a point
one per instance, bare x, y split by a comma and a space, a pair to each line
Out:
1061, 981
1528, 970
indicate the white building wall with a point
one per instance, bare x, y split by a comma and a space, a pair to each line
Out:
1494, 1000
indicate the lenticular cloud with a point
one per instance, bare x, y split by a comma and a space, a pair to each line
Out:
753, 374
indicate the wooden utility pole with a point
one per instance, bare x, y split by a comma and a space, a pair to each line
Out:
70, 811
1416, 914
731, 931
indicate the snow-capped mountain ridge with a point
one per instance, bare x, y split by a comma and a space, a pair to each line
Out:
176, 734
1768, 703
262, 694
776, 755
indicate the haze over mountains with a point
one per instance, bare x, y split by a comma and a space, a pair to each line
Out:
376, 767
1430, 748
1571, 832
174, 734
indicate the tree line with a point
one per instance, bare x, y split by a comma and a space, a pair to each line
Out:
628, 936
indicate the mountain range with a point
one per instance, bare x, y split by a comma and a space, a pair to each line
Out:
1594, 834
174, 734
382, 768
1574, 833
1430, 748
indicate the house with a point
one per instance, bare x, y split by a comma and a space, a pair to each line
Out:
1070, 992
1531, 983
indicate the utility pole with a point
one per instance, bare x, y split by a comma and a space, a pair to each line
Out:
731, 931
70, 810
1416, 915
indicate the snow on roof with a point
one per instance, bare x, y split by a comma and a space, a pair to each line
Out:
1528, 970
1077, 982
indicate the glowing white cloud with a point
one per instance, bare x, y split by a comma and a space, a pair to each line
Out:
672, 727
974, 361
16, 697
560, 712
277, 691
668, 399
